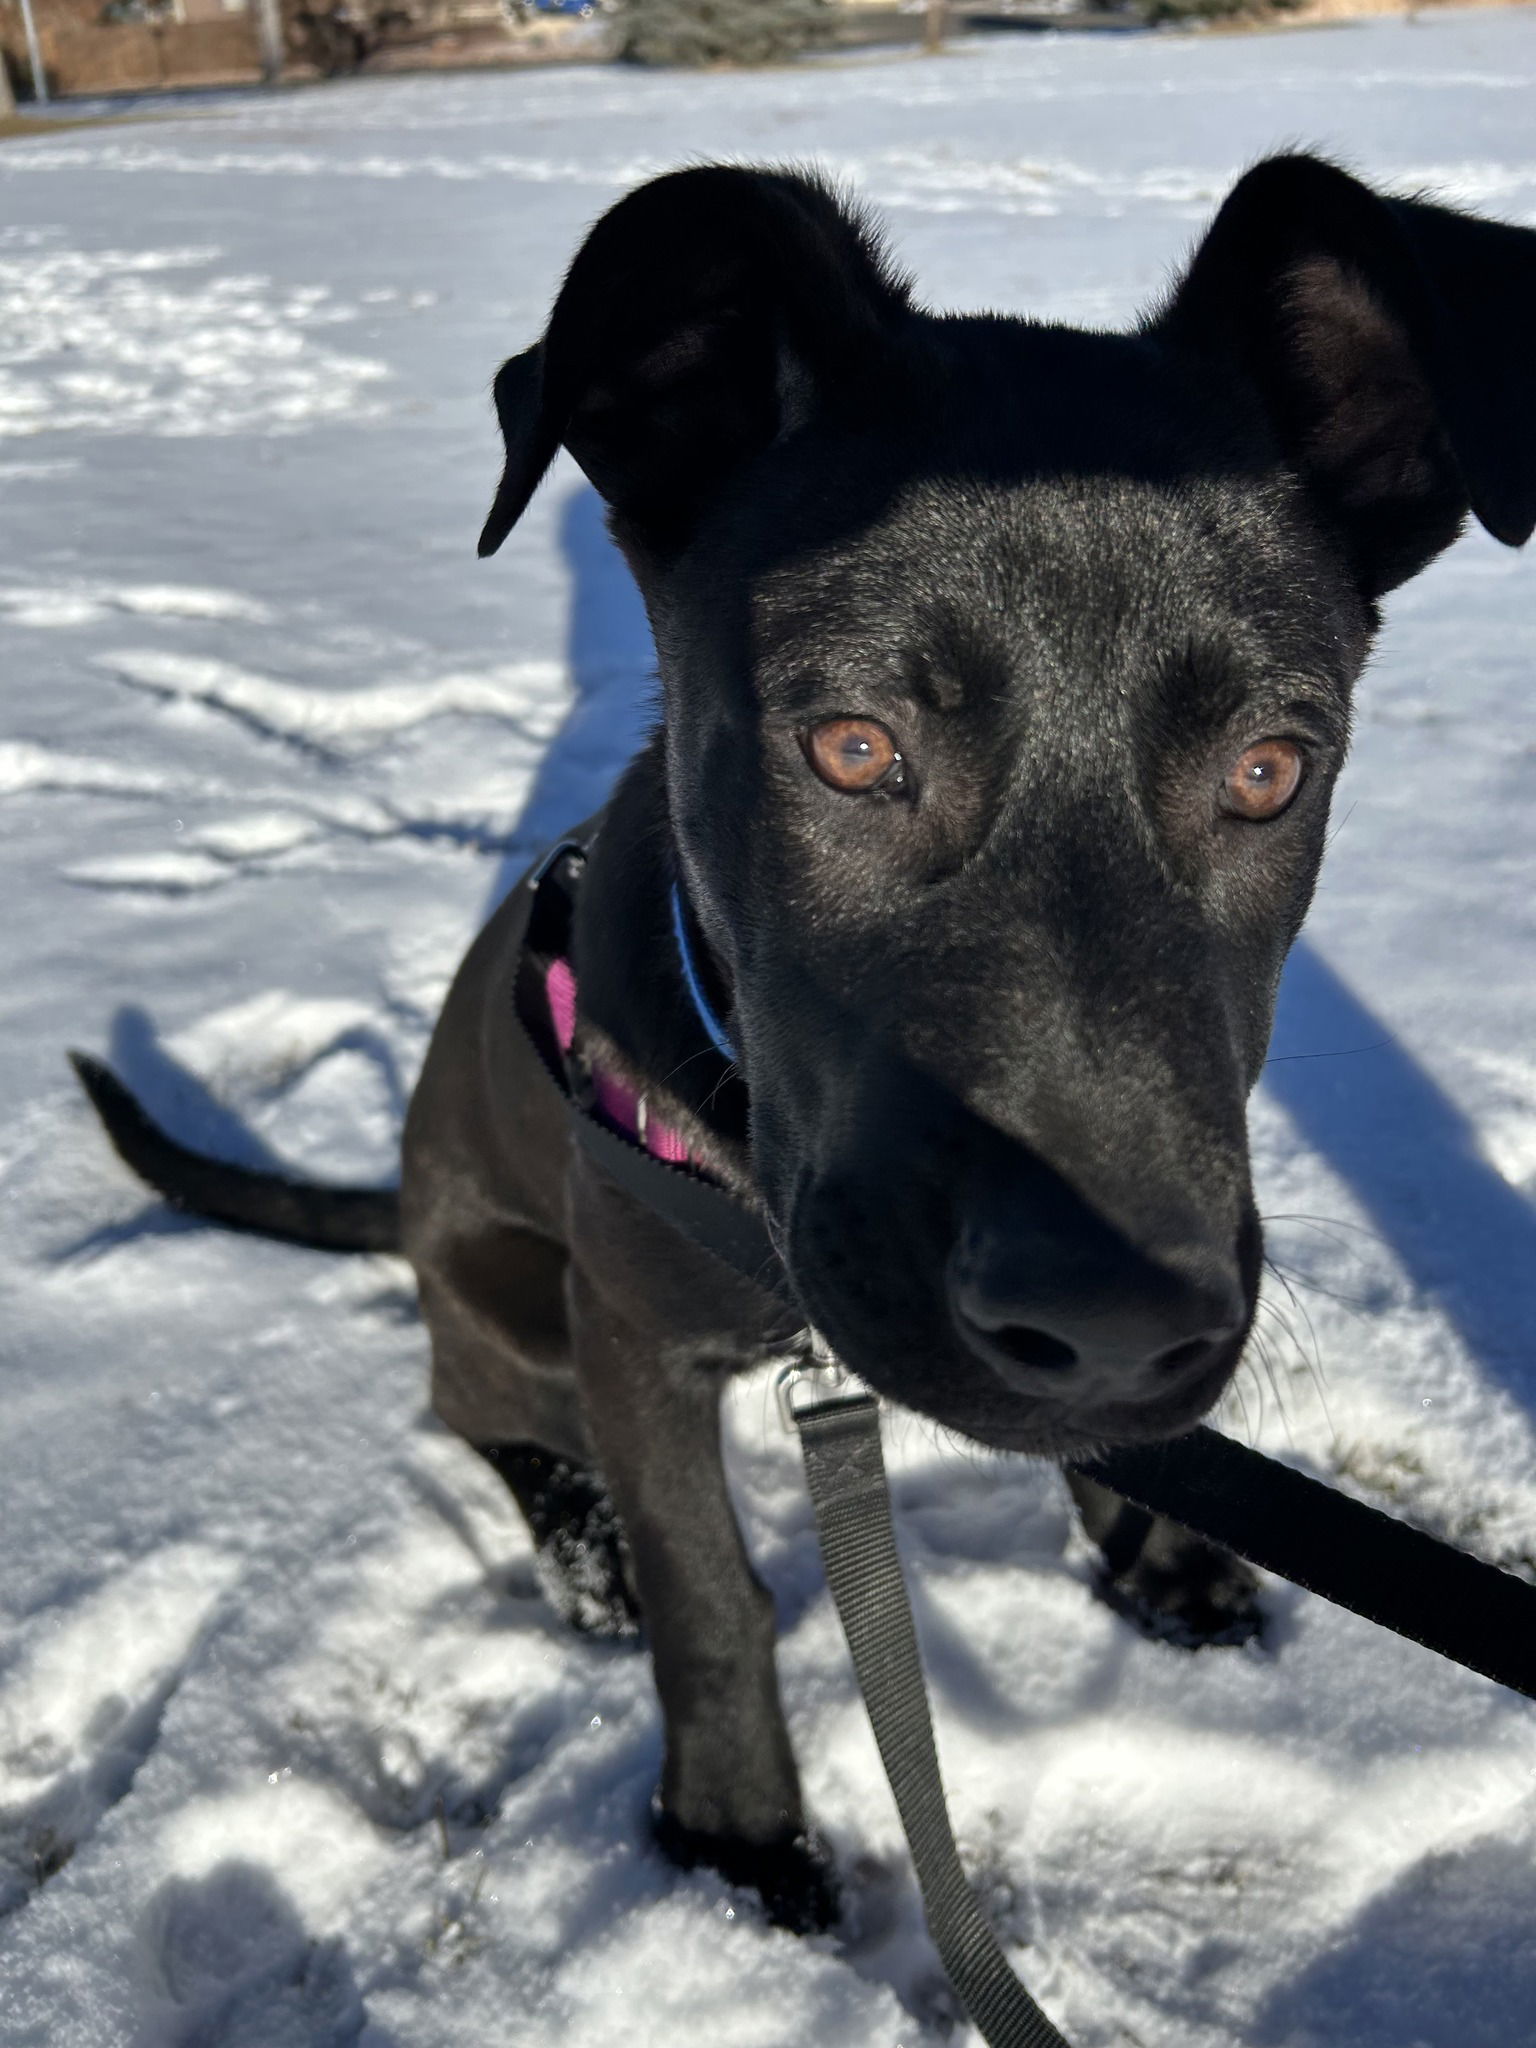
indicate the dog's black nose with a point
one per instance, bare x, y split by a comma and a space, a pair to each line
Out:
1101, 1320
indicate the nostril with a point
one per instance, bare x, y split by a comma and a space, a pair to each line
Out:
1033, 1348
1185, 1357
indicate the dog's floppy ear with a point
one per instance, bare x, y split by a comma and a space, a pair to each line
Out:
1393, 344
705, 314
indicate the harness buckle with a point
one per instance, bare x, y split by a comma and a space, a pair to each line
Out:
816, 1370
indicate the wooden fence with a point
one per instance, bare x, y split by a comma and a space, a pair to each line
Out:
138, 56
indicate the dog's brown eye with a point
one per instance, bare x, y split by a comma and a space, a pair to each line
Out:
854, 755
1263, 779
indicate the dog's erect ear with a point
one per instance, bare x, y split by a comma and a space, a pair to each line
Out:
706, 314
1393, 344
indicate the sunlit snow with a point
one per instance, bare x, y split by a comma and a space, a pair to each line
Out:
292, 1754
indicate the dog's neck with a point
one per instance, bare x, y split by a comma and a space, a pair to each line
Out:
647, 1011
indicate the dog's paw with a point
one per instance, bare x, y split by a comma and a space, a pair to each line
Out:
793, 1876
1198, 1598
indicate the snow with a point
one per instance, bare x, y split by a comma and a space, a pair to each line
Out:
292, 1754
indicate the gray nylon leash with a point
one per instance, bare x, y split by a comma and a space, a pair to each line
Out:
845, 1472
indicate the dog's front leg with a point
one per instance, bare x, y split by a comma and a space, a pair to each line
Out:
730, 1793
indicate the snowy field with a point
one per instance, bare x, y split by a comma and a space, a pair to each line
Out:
291, 1754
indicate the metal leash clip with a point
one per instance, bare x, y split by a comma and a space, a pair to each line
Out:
817, 1369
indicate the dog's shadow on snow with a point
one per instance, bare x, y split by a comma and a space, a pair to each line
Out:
1464, 1237
1443, 1957
612, 663
229, 1959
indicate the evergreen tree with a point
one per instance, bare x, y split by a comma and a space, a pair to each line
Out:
702, 32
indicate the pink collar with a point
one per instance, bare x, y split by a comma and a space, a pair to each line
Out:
617, 1103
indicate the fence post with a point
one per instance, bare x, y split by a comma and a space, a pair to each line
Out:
34, 55
269, 30
934, 25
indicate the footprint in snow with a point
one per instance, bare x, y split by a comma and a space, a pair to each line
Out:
81, 1710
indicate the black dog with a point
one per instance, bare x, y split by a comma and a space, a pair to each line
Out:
1007, 673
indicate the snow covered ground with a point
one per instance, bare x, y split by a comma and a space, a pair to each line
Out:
291, 1755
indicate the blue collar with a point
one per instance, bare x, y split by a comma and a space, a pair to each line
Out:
719, 1037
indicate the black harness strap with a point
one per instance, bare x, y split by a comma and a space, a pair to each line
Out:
1354, 1555
705, 1214
700, 1209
